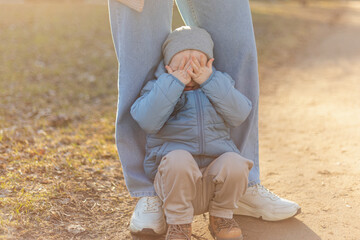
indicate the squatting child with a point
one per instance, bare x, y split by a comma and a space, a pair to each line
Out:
187, 112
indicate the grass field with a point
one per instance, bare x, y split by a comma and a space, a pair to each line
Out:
60, 176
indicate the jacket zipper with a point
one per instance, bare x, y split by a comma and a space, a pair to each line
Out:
200, 117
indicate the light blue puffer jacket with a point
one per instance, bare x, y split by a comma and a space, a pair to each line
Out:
197, 120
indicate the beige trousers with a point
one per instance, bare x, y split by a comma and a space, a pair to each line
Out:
187, 190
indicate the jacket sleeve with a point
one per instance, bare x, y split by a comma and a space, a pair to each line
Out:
156, 102
231, 104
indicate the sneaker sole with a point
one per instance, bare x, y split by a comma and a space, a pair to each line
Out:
137, 230
248, 211
147, 234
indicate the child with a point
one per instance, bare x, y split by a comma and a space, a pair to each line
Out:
187, 114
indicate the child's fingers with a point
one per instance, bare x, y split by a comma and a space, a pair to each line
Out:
196, 61
196, 68
210, 62
202, 61
191, 73
169, 69
188, 65
182, 63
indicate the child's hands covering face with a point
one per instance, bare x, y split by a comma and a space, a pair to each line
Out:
202, 70
182, 71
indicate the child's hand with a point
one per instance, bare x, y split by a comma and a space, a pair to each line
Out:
201, 72
181, 73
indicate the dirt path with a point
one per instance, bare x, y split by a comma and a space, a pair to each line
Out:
310, 139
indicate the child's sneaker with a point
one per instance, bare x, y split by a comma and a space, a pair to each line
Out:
148, 217
224, 229
179, 232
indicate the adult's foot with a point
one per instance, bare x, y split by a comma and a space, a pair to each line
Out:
148, 217
259, 202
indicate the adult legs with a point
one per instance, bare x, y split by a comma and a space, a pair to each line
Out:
137, 38
230, 25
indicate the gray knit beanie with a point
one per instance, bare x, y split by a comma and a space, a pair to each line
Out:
187, 37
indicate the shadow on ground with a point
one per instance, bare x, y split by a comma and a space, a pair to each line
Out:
254, 229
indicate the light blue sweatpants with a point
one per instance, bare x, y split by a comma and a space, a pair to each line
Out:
138, 38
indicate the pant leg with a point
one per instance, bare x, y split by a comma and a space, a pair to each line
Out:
137, 39
229, 176
177, 182
230, 25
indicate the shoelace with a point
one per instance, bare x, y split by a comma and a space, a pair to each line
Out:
226, 223
177, 231
266, 192
152, 204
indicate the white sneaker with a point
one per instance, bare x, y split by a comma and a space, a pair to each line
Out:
148, 217
259, 202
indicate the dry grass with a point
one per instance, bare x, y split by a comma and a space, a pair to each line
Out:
58, 162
